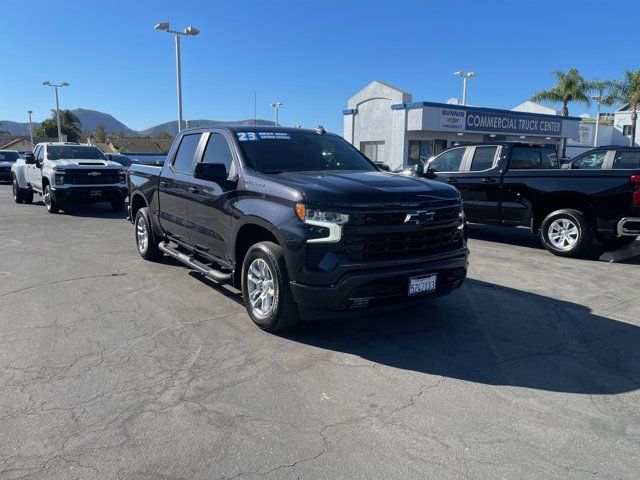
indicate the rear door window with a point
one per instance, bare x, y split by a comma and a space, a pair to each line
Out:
448, 161
533, 158
627, 160
185, 156
483, 158
591, 161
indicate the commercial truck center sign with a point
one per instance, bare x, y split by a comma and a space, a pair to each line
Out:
481, 121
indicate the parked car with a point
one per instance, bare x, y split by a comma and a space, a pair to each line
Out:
65, 172
613, 157
7, 159
299, 220
515, 184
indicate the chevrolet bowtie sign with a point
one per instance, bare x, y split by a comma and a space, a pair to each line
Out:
420, 216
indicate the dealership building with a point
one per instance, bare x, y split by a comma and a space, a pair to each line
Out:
385, 124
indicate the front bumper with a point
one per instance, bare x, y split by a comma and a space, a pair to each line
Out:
629, 226
379, 287
89, 194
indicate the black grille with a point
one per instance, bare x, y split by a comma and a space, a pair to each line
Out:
91, 177
5, 169
443, 213
388, 246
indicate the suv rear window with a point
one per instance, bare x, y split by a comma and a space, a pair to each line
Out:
533, 158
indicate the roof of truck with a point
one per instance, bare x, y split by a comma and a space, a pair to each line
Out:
252, 128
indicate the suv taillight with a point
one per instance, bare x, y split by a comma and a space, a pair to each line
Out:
635, 179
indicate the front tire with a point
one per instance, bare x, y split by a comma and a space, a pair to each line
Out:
566, 233
18, 193
146, 240
49, 202
614, 242
265, 288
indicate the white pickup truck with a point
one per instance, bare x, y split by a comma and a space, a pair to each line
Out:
65, 173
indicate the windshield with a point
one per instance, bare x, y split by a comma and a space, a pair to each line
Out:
74, 152
276, 152
9, 156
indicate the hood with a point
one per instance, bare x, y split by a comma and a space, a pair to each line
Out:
361, 189
89, 164
6, 164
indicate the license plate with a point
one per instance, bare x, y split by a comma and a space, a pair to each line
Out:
95, 193
422, 284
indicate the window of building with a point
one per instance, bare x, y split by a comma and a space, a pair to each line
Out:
420, 151
185, 156
448, 162
374, 151
483, 158
626, 130
627, 160
591, 161
218, 151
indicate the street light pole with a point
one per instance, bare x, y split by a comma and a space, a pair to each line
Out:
465, 77
190, 31
55, 87
30, 129
599, 100
276, 107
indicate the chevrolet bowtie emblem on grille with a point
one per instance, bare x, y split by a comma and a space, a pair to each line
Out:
420, 216
93, 174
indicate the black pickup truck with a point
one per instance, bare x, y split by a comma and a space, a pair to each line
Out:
516, 184
300, 221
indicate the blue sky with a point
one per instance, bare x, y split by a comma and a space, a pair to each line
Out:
310, 55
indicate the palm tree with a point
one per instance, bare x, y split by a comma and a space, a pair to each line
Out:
627, 92
570, 87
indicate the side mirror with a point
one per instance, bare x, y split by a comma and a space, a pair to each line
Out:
567, 166
214, 172
383, 167
108, 156
29, 158
428, 172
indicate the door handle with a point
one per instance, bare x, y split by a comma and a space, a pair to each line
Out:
452, 180
488, 180
194, 190
164, 184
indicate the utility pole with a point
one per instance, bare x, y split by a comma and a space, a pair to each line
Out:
276, 106
55, 87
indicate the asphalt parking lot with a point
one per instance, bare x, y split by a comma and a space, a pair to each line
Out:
113, 367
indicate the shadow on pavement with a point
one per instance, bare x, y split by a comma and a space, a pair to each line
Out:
522, 237
494, 335
95, 210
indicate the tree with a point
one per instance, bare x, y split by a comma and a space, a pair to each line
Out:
163, 134
570, 87
99, 133
627, 92
69, 125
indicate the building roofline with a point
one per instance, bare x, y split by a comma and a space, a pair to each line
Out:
416, 105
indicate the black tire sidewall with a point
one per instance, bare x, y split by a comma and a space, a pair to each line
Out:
17, 193
584, 233
263, 251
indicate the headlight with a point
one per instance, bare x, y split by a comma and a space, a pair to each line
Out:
59, 179
316, 216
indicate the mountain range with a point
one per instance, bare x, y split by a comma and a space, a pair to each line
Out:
92, 118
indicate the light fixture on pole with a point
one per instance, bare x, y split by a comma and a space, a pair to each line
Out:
47, 83
30, 128
276, 107
191, 32
465, 77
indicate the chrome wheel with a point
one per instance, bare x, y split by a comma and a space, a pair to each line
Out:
46, 198
15, 190
563, 234
142, 235
260, 288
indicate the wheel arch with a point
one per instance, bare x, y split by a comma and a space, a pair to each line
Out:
249, 233
560, 200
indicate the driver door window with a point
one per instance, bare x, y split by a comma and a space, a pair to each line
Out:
593, 161
448, 162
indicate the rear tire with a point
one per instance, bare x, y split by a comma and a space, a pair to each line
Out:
614, 242
27, 196
566, 233
49, 202
146, 240
117, 205
265, 288
18, 193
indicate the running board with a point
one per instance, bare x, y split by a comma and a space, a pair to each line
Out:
195, 264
